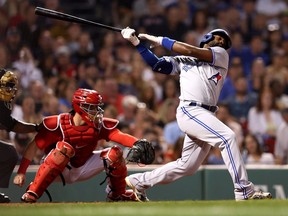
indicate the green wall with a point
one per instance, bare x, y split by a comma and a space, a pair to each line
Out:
209, 183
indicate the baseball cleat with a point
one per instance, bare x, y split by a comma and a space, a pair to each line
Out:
260, 195
4, 198
29, 197
140, 196
129, 195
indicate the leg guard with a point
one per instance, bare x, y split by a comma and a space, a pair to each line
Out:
116, 170
52, 166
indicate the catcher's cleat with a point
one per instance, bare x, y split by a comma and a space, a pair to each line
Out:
29, 197
4, 198
260, 195
128, 196
140, 196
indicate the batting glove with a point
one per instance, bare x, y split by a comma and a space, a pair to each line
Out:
155, 41
129, 34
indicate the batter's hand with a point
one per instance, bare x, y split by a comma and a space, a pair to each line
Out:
155, 41
129, 34
19, 179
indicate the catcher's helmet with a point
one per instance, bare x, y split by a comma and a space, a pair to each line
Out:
8, 85
210, 36
87, 103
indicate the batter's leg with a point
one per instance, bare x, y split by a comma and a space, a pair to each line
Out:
234, 162
193, 154
207, 127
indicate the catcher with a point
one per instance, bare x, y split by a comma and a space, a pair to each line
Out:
70, 139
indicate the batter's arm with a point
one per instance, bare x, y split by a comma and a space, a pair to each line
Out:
160, 65
202, 54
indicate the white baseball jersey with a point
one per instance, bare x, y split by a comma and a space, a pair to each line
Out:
198, 80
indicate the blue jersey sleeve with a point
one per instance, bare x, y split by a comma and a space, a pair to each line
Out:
160, 65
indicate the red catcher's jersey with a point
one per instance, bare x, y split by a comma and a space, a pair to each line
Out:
83, 138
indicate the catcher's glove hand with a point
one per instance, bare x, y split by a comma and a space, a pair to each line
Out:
141, 152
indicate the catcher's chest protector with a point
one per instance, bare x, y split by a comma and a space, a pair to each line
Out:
83, 139
78, 136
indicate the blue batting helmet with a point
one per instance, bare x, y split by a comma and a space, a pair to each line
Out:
210, 36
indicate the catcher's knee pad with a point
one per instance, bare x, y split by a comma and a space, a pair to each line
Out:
66, 149
52, 166
113, 154
114, 162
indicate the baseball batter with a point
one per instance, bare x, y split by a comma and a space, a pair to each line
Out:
202, 72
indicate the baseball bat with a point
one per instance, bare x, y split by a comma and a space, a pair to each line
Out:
67, 17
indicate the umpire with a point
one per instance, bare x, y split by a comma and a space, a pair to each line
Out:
8, 154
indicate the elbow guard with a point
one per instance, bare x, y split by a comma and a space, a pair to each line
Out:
163, 66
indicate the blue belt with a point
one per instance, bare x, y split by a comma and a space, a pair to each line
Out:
207, 107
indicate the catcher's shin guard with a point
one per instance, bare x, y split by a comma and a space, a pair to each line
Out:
52, 166
116, 170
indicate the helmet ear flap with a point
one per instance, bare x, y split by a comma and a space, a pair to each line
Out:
206, 38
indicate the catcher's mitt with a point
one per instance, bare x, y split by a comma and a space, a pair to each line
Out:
141, 152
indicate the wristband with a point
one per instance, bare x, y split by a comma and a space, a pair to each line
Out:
168, 43
23, 166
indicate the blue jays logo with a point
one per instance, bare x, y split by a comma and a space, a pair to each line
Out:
215, 78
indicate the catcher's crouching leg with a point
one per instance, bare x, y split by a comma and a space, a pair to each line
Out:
52, 166
116, 171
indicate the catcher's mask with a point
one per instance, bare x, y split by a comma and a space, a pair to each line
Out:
8, 85
210, 36
87, 103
